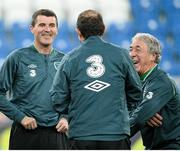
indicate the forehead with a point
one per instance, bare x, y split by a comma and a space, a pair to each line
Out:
45, 19
138, 43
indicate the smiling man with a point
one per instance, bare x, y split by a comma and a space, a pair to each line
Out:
160, 97
27, 74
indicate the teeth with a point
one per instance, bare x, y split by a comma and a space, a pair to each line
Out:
45, 34
134, 61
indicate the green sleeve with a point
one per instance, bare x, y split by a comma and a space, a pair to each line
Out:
155, 97
7, 80
133, 86
60, 92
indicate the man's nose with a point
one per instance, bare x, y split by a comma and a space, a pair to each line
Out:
132, 53
47, 28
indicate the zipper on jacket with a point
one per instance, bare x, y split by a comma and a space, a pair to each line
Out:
46, 65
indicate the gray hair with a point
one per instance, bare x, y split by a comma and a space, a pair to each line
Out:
152, 43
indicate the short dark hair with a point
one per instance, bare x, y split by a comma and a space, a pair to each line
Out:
90, 23
44, 12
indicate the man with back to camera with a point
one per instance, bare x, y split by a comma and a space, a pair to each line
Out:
161, 98
95, 85
28, 74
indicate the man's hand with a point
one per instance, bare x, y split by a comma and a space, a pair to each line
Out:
155, 121
62, 125
29, 123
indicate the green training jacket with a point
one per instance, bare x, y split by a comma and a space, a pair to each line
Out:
27, 75
96, 84
161, 95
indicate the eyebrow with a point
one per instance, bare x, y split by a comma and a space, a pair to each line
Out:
138, 46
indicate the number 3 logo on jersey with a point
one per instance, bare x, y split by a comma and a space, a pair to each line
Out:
97, 69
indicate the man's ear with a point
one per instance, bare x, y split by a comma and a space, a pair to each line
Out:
31, 28
78, 32
153, 57
104, 30
80, 36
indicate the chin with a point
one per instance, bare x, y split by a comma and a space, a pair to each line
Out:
47, 42
138, 71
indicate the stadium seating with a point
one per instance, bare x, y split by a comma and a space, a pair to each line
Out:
123, 20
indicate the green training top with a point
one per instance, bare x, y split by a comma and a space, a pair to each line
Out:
96, 84
28, 76
160, 95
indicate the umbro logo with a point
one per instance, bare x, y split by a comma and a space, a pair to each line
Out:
32, 70
32, 66
97, 86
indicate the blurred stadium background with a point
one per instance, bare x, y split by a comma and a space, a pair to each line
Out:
123, 18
